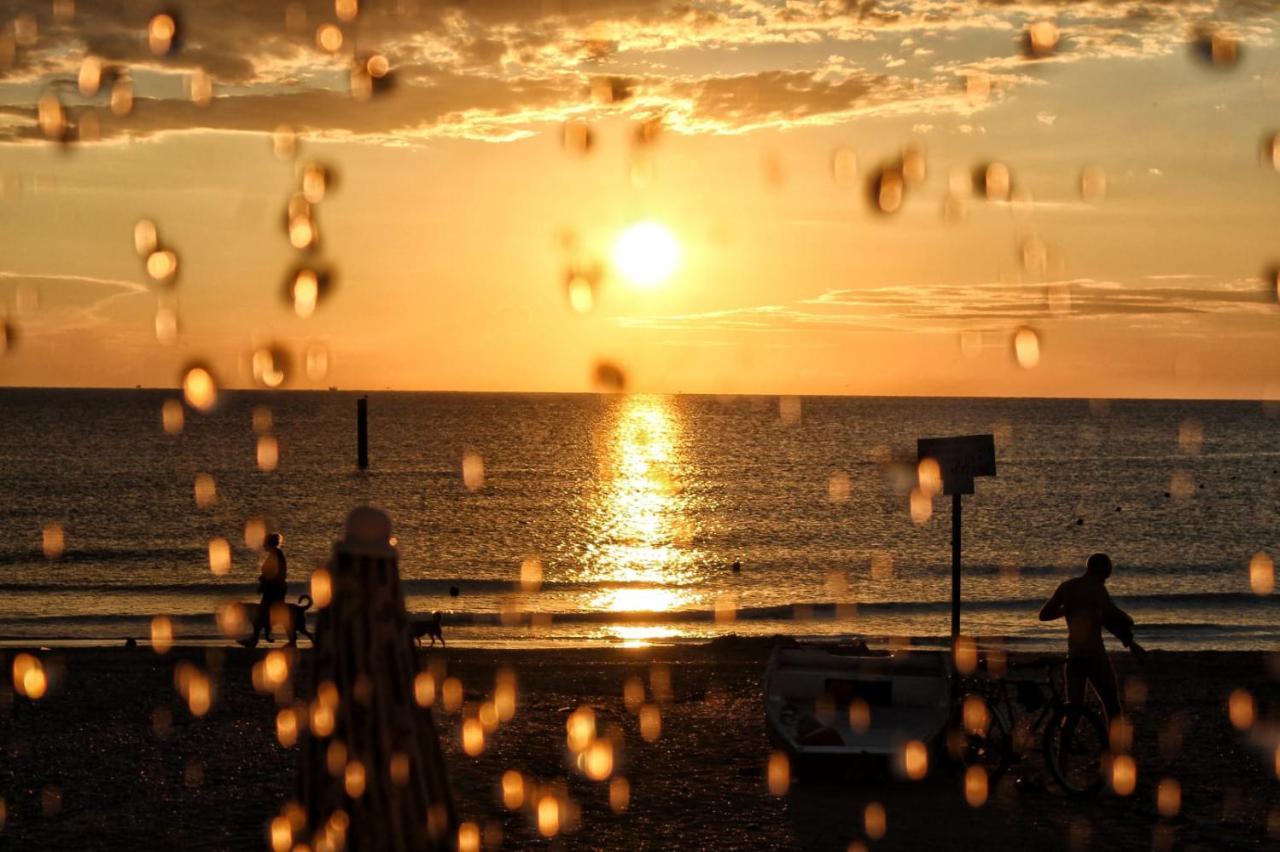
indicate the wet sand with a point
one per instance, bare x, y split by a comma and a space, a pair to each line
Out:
89, 766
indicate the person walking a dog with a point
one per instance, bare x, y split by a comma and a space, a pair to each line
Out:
273, 582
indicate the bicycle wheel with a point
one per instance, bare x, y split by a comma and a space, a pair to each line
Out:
1075, 746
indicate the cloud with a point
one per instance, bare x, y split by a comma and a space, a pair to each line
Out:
953, 306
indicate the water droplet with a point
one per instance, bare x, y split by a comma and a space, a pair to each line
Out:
200, 388
531, 574
1093, 184
789, 409
161, 634
913, 163
89, 79
270, 366
1262, 574
329, 38
346, 10
317, 358
268, 453
1124, 774
975, 786
162, 34
609, 378
886, 188
1040, 39
200, 88
219, 556
1035, 256
378, 66
1168, 797
284, 142
838, 487
778, 774
844, 168
472, 470
1215, 47
619, 794
1269, 153
302, 232
122, 96
8, 336
977, 86
576, 137
145, 237
306, 288
993, 181
921, 506
52, 540
171, 416
580, 289
206, 490
874, 820
51, 117
25, 29
162, 265
316, 182
1026, 347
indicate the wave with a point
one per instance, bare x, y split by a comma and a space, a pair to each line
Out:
412, 587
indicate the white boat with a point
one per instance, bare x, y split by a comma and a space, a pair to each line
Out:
833, 700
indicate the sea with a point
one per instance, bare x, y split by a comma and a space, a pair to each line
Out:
542, 520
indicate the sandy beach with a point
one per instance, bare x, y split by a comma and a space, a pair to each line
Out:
111, 757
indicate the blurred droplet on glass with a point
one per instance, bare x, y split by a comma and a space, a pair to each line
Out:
726, 607
25, 29
122, 96
162, 34
778, 774
353, 779
219, 556
839, 487
472, 470
161, 634
346, 10
316, 180
1124, 775
789, 410
88, 128
619, 794
255, 532
271, 366
1262, 574
977, 86
378, 66
146, 239
287, 727
929, 477
844, 168
268, 453
1093, 184
874, 821
576, 137
302, 232
51, 117
530, 573
915, 760
424, 689
886, 188
200, 87
975, 786
284, 142
172, 416
451, 694
1190, 437
1215, 47
548, 816
650, 718
329, 38
162, 266
974, 715
1269, 152
993, 181
8, 336
166, 325
609, 378
261, 419
64, 11
1026, 347
317, 362
29, 677
1040, 39
89, 79
1168, 797
52, 540
598, 761
633, 694
26, 301
966, 654
881, 566
913, 163
206, 490
954, 209
921, 506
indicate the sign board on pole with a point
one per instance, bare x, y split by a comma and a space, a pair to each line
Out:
960, 459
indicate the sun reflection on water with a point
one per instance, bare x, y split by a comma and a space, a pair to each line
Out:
643, 531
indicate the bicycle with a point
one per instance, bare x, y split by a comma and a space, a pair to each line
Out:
1074, 740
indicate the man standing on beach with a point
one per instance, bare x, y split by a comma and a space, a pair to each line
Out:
1088, 608
272, 581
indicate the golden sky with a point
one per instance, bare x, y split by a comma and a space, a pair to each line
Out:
457, 212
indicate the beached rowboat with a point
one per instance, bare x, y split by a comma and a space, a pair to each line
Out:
827, 701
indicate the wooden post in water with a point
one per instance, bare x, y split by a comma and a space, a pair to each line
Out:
362, 432
371, 769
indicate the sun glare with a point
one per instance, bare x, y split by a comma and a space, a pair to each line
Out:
646, 253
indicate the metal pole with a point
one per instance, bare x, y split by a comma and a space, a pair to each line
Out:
955, 569
362, 432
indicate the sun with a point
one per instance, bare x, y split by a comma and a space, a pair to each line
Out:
646, 253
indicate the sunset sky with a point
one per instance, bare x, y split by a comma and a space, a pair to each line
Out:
456, 209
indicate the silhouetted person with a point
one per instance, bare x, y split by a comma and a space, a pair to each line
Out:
272, 581
1088, 609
